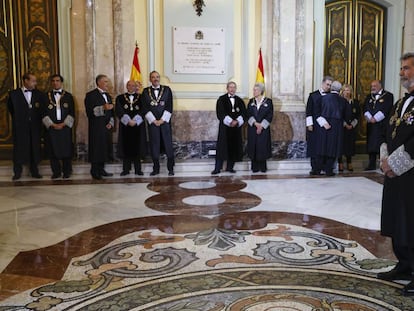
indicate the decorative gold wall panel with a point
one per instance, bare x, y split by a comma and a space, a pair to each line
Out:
28, 42
354, 46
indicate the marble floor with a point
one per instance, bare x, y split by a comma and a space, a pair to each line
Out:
45, 224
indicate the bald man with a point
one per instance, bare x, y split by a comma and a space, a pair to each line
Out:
377, 108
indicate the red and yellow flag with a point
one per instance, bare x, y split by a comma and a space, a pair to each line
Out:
136, 70
260, 70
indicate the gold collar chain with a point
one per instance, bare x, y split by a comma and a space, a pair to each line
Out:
50, 97
156, 101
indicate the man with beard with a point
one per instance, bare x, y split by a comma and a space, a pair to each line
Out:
377, 108
157, 104
132, 138
231, 112
397, 163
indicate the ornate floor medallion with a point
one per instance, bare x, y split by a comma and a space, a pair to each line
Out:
276, 267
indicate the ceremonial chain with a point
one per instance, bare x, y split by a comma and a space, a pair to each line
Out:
155, 102
396, 120
131, 104
50, 97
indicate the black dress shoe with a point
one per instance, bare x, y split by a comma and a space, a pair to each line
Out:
106, 174
97, 177
171, 173
395, 274
153, 173
408, 289
66, 176
369, 168
231, 170
139, 173
314, 173
124, 173
263, 171
16, 177
255, 171
215, 172
330, 174
37, 175
55, 176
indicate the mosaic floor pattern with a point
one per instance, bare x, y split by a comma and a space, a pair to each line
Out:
272, 267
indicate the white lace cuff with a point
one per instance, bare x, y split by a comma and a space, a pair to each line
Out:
251, 121
309, 121
400, 161
125, 119
98, 111
47, 121
69, 121
383, 151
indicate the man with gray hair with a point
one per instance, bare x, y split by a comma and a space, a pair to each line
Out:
231, 112
330, 117
312, 130
397, 163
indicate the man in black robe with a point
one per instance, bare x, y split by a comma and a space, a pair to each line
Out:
397, 163
25, 106
99, 109
312, 129
132, 138
231, 112
377, 108
330, 118
157, 103
59, 117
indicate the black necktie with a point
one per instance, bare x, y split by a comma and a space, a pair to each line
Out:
28, 91
57, 92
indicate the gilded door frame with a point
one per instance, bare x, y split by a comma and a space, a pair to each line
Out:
393, 48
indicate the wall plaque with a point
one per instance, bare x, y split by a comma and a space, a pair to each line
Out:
199, 50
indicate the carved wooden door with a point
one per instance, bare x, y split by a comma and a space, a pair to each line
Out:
354, 47
28, 42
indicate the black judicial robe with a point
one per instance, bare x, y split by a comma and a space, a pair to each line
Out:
397, 216
99, 135
26, 125
259, 147
160, 137
229, 141
312, 136
376, 131
131, 139
59, 142
352, 112
332, 108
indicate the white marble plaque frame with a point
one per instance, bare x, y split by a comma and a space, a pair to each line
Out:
199, 50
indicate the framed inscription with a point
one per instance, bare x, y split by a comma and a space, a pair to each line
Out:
199, 50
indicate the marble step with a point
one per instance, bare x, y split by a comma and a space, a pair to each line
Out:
191, 167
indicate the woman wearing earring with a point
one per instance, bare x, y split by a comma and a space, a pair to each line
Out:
259, 114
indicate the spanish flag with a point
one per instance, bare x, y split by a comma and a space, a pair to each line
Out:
260, 70
135, 70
